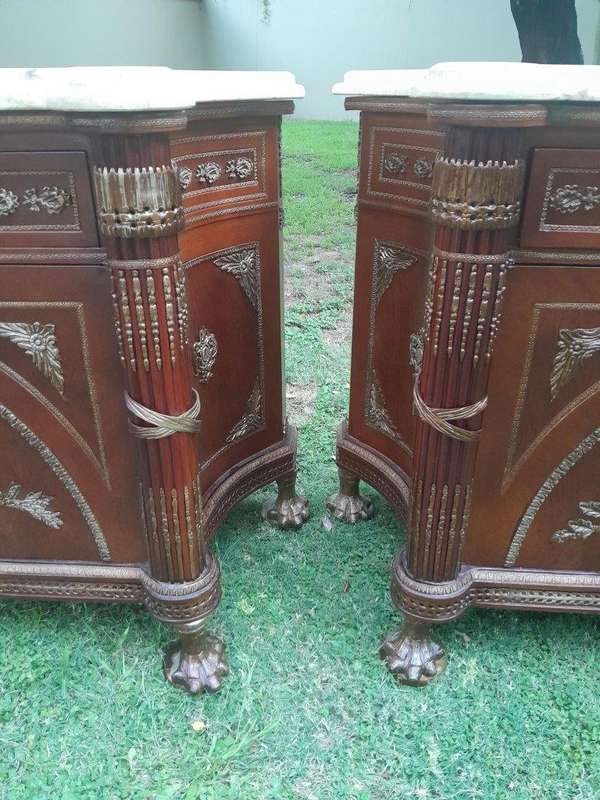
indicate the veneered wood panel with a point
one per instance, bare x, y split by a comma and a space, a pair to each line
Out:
234, 291
534, 467
391, 269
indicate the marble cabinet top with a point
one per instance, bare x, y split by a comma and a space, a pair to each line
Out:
136, 88
479, 80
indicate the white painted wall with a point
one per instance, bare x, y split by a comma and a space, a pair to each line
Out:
319, 40
64, 33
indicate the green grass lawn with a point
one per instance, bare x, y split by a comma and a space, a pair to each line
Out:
308, 710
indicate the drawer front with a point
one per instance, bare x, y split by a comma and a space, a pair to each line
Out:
536, 495
46, 200
68, 487
397, 161
233, 284
222, 169
562, 207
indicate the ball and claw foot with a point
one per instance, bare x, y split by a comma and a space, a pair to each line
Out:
289, 511
196, 663
348, 505
412, 656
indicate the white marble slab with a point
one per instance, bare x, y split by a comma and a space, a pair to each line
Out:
479, 80
136, 88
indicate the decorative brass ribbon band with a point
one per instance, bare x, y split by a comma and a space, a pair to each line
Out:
440, 418
163, 425
476, 196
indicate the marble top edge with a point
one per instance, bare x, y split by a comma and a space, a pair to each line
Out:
479, 80
98, 89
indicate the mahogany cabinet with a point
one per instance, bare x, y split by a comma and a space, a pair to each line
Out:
140, 337
475, 386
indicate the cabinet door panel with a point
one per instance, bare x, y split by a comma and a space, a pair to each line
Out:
390, 276
233, 282
68, 477
539, 455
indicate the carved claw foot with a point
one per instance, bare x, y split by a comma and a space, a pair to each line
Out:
412, 656
196, 662
348, 505
288, 511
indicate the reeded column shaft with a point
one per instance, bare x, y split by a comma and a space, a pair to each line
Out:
475, 208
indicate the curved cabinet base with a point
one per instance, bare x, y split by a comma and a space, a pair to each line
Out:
196, 662
357, 461
277, 463
425, 603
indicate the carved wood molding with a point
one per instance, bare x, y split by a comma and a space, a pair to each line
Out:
496, 587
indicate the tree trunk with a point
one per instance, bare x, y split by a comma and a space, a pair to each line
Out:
547, 31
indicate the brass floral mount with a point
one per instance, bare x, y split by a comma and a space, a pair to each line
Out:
204, 354
397, 164
571, 198
573, 347
209, 172
252, 419
582, 528
38, 340
51, 199
36, 504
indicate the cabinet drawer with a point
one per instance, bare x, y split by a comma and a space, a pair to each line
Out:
400, 163
562, 207
226, 170
46, 200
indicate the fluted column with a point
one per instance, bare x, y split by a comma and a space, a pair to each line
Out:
475, 207
139, 210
